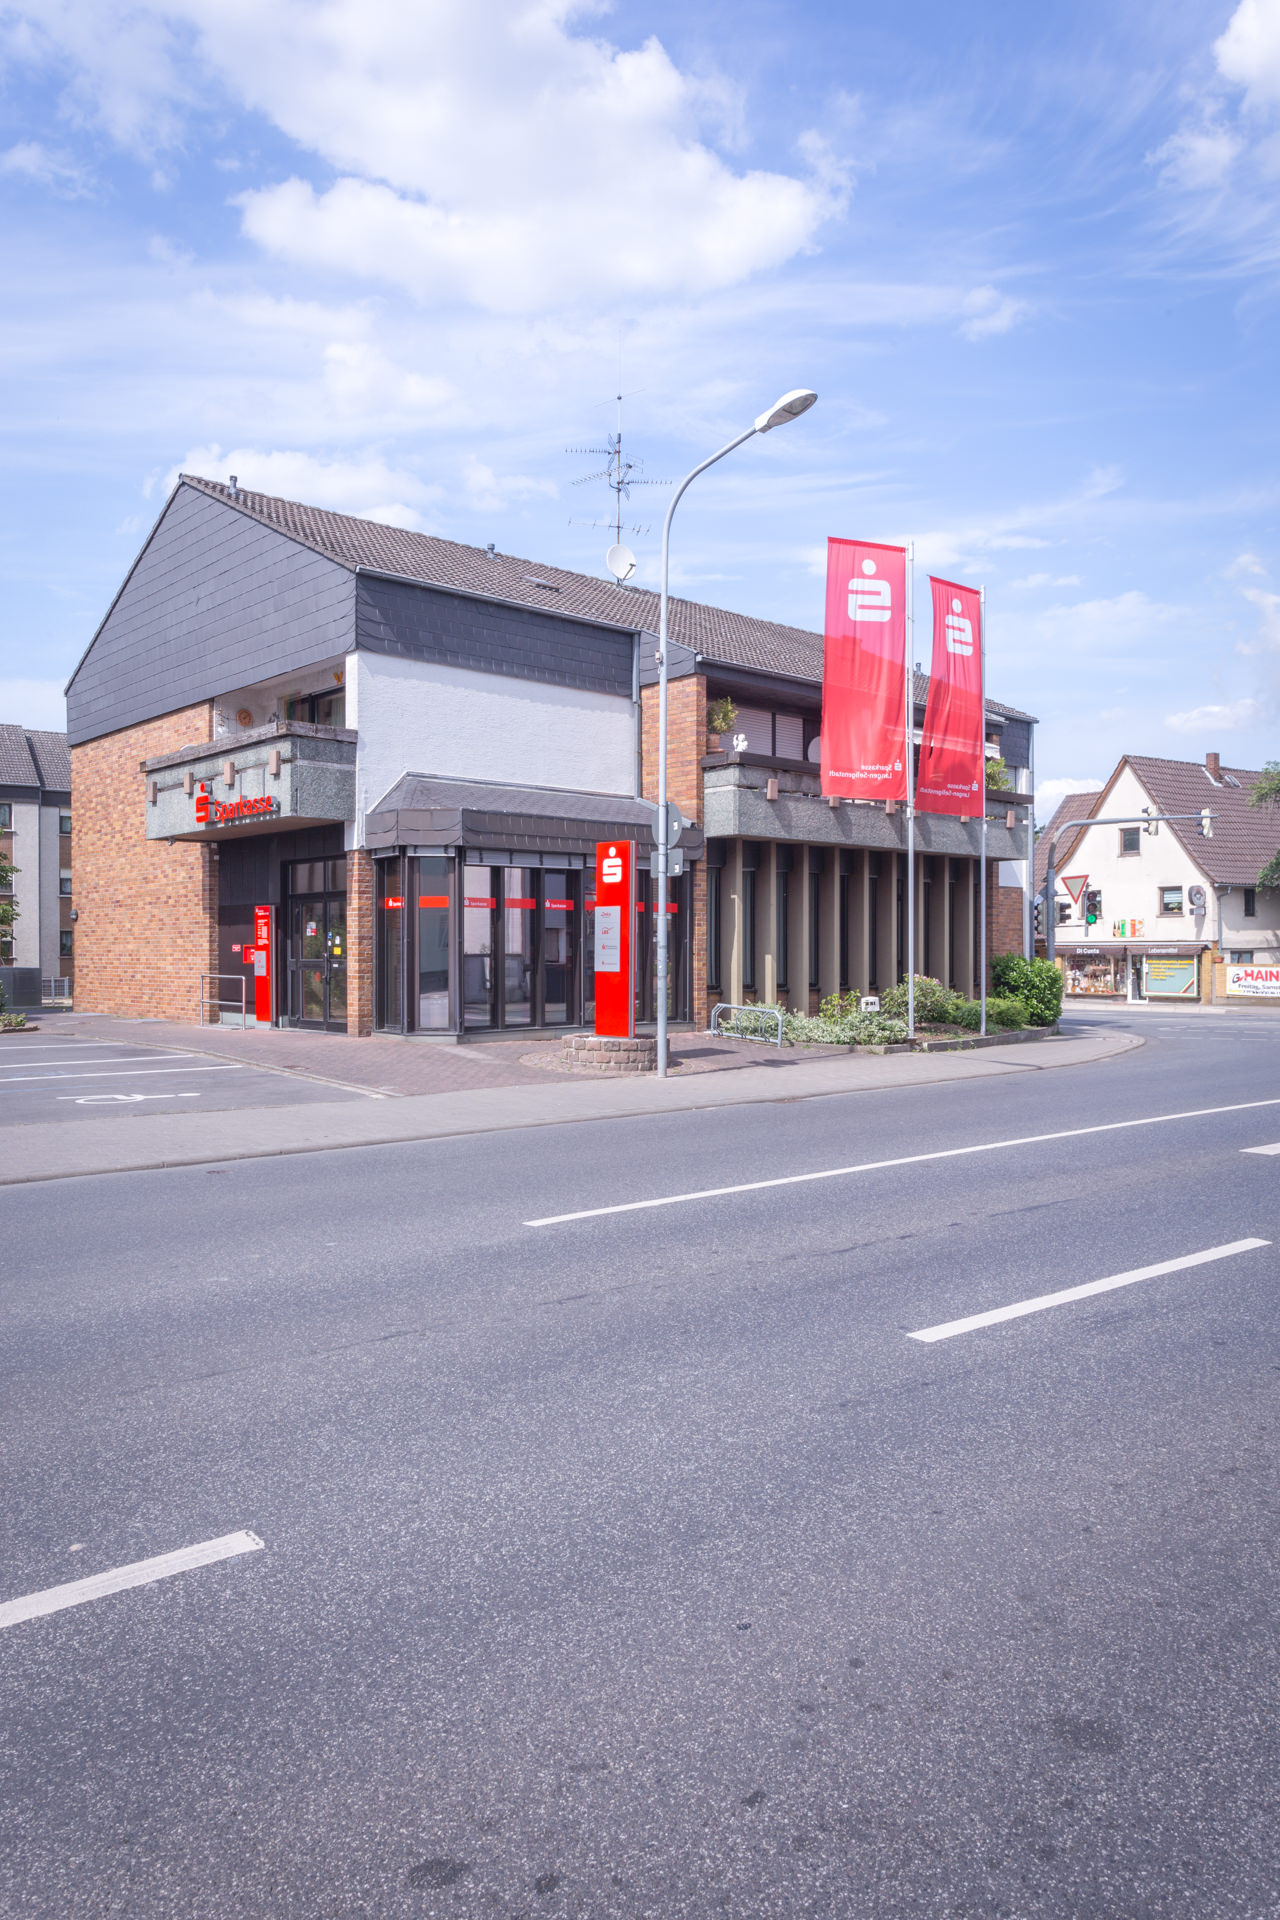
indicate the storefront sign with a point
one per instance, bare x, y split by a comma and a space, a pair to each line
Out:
615, 938
864, 672
1256, 982
434, 900
1171, 978
478, 900
559, 906
230, 813
394, 900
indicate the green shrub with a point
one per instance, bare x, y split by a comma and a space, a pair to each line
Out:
1006, 1014
845, 1029
934, 1002
722, 715
752, 1023
1035, 982
967, 1014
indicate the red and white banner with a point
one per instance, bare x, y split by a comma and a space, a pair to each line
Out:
951, 777
863, 689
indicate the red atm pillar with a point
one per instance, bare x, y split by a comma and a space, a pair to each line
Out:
616, 938
263, 965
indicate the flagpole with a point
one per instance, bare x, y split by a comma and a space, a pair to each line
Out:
982, 877
909, 683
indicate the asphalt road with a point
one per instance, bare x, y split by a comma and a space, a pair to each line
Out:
642, 1565
44, 1077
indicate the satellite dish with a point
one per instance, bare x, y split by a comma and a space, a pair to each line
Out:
621, 563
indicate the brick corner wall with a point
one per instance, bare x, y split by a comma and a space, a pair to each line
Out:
1004, 917
147, 924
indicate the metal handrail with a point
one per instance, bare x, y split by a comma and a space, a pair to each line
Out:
728, 1006
208, 1000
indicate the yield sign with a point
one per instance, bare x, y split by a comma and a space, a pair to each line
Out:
1075, 884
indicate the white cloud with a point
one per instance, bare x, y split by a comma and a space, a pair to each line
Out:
1198, 157
1034, 580
490, 494
1244, 563
1104, 627
989, 312
1050, 792
40, 704
1221, 718
44, 168
366, 487
1268, 605
484, 151
1248, 52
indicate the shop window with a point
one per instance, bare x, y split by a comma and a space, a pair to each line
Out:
1251, 903
714, 875
434, 927
66, 943
518, 905
64, 881
318, 876
783, 947
559, 948
1131, 839
389, 881
479, 943
748, 928
318, 709
64, 825
1171, 899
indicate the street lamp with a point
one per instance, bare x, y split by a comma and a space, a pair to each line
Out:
789, 407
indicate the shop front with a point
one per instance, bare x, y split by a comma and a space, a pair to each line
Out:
1131, 972
473, 939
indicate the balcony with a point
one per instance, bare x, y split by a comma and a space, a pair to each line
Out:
285, 775
755, 796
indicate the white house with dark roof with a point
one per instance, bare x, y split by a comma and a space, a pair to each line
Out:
396, 754
1163, 900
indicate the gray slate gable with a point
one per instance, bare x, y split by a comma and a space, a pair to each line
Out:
214, 600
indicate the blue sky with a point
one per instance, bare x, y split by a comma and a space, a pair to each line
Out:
383, 257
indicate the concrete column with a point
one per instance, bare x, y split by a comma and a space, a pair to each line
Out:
829, 923
801, 957
731, 932
767, 924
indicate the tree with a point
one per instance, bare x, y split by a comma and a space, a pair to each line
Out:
999, 779
1265, 794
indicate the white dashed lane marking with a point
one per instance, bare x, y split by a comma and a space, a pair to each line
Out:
139, 1573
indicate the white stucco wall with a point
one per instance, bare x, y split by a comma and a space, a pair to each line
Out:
26, 884
414, 717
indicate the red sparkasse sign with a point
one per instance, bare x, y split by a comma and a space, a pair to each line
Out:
952, 777
864, 664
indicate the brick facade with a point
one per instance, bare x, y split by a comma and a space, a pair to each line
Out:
360, 943
147, 911
686, 745
1004, 917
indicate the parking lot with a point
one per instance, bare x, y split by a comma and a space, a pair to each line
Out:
46, 1077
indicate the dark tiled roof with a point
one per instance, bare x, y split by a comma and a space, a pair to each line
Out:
1244, 837
730, 639
1073, 806
30, 758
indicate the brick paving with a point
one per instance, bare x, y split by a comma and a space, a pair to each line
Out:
388, 1064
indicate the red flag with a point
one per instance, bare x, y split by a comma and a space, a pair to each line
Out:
952, 777
863, 690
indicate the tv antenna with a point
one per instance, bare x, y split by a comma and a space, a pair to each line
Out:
619, 474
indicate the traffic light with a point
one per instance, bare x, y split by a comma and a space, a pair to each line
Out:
1152, 826
1038, 906
1206, 824
1092, 905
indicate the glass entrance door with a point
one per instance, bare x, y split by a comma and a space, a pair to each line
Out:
317, 959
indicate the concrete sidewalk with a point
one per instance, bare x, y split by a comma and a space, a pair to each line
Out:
54, 1152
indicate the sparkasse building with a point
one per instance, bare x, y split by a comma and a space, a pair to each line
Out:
398, 753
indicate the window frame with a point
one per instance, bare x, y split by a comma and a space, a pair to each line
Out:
64, 823
1250, 902
1165, 912
1128, 853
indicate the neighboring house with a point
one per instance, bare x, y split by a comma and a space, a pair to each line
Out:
1167, 899
35, 834
369, 769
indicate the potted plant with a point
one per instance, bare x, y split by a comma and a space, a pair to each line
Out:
721, 718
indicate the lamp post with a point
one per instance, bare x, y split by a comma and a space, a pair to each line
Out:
789, 407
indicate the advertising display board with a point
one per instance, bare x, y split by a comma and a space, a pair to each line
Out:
1254, 982
1172, 976
615, 938
263, 971
951, 748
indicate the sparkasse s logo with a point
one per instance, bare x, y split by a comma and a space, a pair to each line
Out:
959, 631
870, 599
202, 806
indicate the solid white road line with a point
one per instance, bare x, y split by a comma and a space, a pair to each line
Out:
1274, 1149
904, 1160
948, 1329
139, 1573
106, 1099
120, 1073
